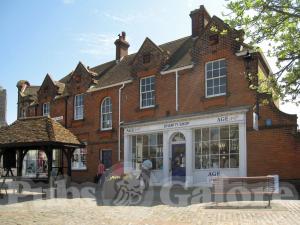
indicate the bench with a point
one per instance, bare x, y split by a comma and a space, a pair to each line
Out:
262, 186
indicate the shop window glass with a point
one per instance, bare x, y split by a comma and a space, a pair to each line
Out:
148, 146
217, 147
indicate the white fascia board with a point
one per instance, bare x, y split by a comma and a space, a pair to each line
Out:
177, 69
189, 117
245, 52
110, 86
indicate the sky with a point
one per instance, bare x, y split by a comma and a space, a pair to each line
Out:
52, 36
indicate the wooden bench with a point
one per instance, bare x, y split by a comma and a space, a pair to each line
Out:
263, 186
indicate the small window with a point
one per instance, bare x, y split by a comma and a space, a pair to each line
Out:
78, 107
146, 58
213, 39
147, 92
216, 78
79, 159
106, 114
46, 109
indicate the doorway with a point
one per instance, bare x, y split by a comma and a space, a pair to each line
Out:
106, 157
178, 158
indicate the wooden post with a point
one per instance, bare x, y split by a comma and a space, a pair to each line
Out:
19, 162
49, 152
69, 157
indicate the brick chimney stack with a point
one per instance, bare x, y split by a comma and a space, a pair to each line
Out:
200, 19
2, 107
121, 46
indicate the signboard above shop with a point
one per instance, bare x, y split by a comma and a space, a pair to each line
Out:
192, 122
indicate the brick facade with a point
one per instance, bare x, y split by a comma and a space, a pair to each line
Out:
274, 149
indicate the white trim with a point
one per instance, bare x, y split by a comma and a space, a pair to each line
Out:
215, 95
109, 86
101, 114
177, 69
244, 52
140, 83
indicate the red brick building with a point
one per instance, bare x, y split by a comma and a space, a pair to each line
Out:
186, 105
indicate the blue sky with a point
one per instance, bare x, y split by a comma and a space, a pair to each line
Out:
52, 36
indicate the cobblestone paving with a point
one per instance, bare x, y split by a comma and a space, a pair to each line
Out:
85, 211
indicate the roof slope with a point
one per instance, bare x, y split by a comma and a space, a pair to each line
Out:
36, 130
120, 72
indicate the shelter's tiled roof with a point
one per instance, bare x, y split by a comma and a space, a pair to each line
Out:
36, 130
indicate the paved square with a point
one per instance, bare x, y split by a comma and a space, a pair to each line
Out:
85, 211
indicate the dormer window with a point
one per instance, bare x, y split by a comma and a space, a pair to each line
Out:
146, 58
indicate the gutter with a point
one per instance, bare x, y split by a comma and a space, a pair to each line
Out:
110, 86
177, 77
120, 122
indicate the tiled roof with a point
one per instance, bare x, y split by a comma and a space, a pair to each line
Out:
36, 130
120, 72
114, 72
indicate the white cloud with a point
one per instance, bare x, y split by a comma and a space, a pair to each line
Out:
122, 19
95, 44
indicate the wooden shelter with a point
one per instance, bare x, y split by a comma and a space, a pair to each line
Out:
37, 133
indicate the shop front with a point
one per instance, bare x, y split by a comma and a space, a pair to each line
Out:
190, 149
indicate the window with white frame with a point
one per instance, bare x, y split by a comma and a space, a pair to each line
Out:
147, 92
217, 147
147, 146
216, 78
106, 114
78, 107
46, 109
79, 159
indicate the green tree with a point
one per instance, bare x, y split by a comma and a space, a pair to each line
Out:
277, 23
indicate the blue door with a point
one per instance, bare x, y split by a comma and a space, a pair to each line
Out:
106, 156
178, 162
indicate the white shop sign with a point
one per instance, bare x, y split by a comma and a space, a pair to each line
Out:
193, 122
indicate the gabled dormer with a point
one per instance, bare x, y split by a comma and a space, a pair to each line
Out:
49, 89
216, 36
81, 79
149, 56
